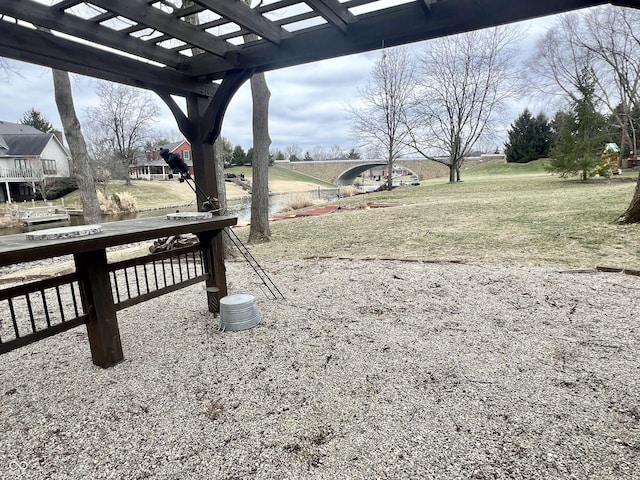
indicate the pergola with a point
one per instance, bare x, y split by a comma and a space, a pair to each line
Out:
204, 50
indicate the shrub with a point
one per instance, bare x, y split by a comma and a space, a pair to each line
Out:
297, 201
59, 187
117, 203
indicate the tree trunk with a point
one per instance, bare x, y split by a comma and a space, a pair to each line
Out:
218, 154
260, 231
389, 169
632, 215
452, 172
80, 162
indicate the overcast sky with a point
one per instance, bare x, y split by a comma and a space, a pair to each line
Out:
307, 105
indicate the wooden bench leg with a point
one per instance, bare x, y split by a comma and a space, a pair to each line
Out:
102, 325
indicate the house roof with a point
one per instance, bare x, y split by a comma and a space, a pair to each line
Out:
173, 146
27, 144
17, 129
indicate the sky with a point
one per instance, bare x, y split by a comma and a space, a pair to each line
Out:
307, 107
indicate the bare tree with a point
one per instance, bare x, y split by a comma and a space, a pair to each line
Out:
293, 151
319, 153
592, 40
335, 153
381, 122
7, 70
80, 161
604, 40
259, 231
609, 34
123, 121
464, 83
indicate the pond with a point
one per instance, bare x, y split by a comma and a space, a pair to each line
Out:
237, 207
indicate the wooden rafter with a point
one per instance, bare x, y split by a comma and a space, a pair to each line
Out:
143, 14
333, 12
426, 5
45, 49
45, 17
287, 34
240, 13
451, 16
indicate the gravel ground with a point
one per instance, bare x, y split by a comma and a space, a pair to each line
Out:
369, 369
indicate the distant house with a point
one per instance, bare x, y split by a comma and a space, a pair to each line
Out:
153, 167
29, 157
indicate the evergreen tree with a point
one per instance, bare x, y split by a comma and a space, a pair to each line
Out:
35, 119
529, 138
227, 152
238, 157
353, 154
581, 134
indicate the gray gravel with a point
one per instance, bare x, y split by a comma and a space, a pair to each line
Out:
369, 369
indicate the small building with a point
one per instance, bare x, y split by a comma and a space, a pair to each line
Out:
29, 157
153, 167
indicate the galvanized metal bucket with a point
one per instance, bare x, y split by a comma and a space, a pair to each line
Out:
238, 312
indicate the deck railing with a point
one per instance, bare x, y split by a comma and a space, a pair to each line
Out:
17, 174
40, 309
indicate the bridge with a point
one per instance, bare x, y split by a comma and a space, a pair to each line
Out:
344, 172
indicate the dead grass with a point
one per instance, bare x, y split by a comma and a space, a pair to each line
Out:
516, 216
298, 201
7, 221
529, 218
118, 203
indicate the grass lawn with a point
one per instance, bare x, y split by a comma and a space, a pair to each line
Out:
277, 174
499, 214
173, 193
147, 194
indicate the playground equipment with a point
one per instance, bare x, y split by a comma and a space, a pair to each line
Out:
611, 155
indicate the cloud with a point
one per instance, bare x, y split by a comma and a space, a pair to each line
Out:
307, 105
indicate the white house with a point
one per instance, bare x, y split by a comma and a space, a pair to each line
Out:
153, 167
27, 158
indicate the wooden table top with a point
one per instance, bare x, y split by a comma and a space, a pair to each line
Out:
17, 248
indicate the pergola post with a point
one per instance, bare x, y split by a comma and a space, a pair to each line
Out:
204, 165
201, 127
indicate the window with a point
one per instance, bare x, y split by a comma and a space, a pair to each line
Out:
20, 163
49, 167
186, 155
25, 190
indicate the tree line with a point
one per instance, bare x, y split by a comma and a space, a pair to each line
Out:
449, 95
440, 101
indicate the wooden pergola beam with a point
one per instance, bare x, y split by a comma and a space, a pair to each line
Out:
445, 18
57, 20
143, 14
43, 48
426, 5
333, 12
239, 12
